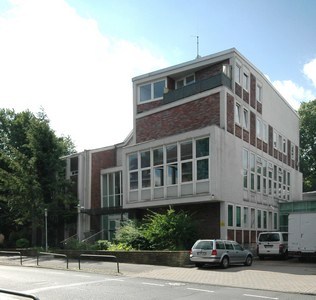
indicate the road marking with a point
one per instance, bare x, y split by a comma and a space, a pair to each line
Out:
200, 290
155, 284
263, 297
67, 285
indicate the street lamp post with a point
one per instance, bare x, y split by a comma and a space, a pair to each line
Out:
46, 244
79, 223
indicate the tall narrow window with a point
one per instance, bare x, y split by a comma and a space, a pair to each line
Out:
238, 216
245, 219
246, 119
258, 92
158, 167
133, 171
145, 165
252, 171
259, 128
186, 158
237, 113
230, 215
172, 164
238, 74
245, 168
202, 158
246, 82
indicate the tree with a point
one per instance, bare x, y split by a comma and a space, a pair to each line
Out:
307, 113
169, 231
32, 175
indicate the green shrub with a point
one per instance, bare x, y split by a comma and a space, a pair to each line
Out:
120, 247
103, 244
22, 243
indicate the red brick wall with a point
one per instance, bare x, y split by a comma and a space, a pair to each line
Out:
230, 119
100, 160
182, 118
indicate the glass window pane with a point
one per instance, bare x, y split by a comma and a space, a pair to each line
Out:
186, 171
202, 147
159, 89
238, 216
158, 156
158, 173
145, 159
133, 163
202, 169
172, 153
172, 174
230, 215
146, 178
133, 180
145, 92
186, 150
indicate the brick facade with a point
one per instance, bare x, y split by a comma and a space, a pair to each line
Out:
182, 118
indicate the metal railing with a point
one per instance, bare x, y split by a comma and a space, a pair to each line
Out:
18, 294
52, 254
13, 253
92, 236
100, 256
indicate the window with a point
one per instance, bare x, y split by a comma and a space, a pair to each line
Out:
265, 132
284, 145
112, 189
246, 222
292, 151
259, 92
280, 145
245, 168
259, 218
253, 218
259, 128
172, 165
237, 113
186, 167
252, 171
265, 219
133, 171
259, 173
202, 163
275, 221
158, 167
270, 178
238, 216
230, 215
185, 81
151, 91
145, 166
246, 81
264, 177
238, 74
246, 119
275, 141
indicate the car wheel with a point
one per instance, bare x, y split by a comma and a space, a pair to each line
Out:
248, 261
199, 265
225, 262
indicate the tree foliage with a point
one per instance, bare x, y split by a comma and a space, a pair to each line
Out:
32, 174
169, 230
307, 113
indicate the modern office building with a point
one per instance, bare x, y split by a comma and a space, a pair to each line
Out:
211, 136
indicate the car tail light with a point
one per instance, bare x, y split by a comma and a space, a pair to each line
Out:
214, 252
190, 251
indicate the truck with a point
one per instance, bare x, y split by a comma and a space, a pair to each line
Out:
302, 235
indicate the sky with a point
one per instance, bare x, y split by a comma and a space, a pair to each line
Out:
75, 59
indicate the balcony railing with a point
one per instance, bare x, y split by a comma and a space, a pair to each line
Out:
197, 87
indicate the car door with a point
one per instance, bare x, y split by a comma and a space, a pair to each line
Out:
239, 253
230, 251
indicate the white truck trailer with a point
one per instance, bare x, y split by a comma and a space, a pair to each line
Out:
302, 235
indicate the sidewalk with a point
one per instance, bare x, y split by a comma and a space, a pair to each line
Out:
274, 275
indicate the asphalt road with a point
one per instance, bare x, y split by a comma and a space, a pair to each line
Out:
53, 284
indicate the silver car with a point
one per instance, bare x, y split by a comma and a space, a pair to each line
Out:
221, 252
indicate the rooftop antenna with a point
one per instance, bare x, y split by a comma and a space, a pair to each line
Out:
197, 47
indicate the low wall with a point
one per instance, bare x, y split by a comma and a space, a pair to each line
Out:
163, 258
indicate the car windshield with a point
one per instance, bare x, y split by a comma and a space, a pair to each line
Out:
205, 245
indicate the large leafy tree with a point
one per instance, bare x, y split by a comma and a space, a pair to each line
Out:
32, 174
307, 113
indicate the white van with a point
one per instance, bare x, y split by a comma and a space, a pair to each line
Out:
272, 244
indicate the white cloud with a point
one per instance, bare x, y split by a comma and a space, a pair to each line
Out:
310, 71
293, 93
51, 57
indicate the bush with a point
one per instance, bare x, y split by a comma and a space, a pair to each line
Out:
103, 244
22, 243
120, 247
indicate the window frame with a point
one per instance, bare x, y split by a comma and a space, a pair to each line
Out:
152, 91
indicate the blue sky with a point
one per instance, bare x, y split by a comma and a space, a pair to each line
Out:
76, 58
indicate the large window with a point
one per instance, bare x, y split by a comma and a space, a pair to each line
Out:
172, 164
112, 189
237, 113
151, 91
230, 215
245, 168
